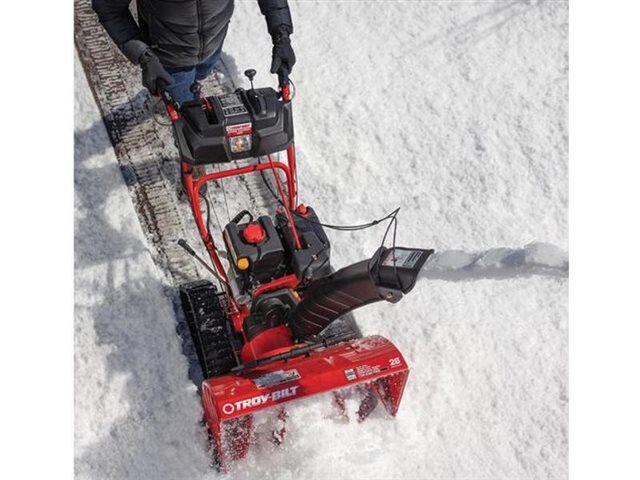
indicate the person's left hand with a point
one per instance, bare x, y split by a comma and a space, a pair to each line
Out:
283, 58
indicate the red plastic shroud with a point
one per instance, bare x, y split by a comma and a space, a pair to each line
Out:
339, 366
230, 401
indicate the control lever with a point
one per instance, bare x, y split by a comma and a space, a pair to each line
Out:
183, 243
257, 101
250, 74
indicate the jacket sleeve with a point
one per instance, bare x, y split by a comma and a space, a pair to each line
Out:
115, 17
277, 15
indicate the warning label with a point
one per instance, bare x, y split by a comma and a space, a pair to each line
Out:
366, 370
403, 258
232, 105
276, 378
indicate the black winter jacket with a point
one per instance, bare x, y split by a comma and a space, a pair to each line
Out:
182, 33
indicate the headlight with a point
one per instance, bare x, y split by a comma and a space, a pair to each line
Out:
239, 144
239, 137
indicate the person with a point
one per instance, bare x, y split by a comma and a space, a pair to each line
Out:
180, 41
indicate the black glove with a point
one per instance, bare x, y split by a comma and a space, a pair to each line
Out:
283, 58
152, 71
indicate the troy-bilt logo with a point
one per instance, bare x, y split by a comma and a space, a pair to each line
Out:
229, 408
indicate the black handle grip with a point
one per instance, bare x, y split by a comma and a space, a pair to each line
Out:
250, 73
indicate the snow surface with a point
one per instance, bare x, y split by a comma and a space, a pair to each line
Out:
455, 111
137, 413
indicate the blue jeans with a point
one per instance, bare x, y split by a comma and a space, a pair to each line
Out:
185, 77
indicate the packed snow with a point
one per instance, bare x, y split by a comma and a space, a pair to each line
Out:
453, 111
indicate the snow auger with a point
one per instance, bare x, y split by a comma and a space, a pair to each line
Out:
277, 327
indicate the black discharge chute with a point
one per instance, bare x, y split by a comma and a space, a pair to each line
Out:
388, 275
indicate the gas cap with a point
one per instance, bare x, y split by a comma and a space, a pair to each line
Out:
254, 233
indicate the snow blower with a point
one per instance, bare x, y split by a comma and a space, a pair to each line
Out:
277, 329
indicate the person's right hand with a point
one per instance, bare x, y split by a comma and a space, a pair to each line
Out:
152, 71
283, 59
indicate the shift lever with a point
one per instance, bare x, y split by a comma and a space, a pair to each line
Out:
250, 74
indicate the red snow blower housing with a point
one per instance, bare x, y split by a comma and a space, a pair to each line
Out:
279, 328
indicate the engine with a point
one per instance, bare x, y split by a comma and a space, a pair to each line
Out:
262, 252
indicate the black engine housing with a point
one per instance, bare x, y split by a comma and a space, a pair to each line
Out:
312, 260
266, 259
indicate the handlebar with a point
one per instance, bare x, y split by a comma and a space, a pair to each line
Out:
173, 106
283, 77
283, 81
163, 93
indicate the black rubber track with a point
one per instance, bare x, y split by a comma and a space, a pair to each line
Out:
209, 327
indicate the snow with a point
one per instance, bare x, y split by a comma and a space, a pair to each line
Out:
454, 111
137, 413
499, 263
